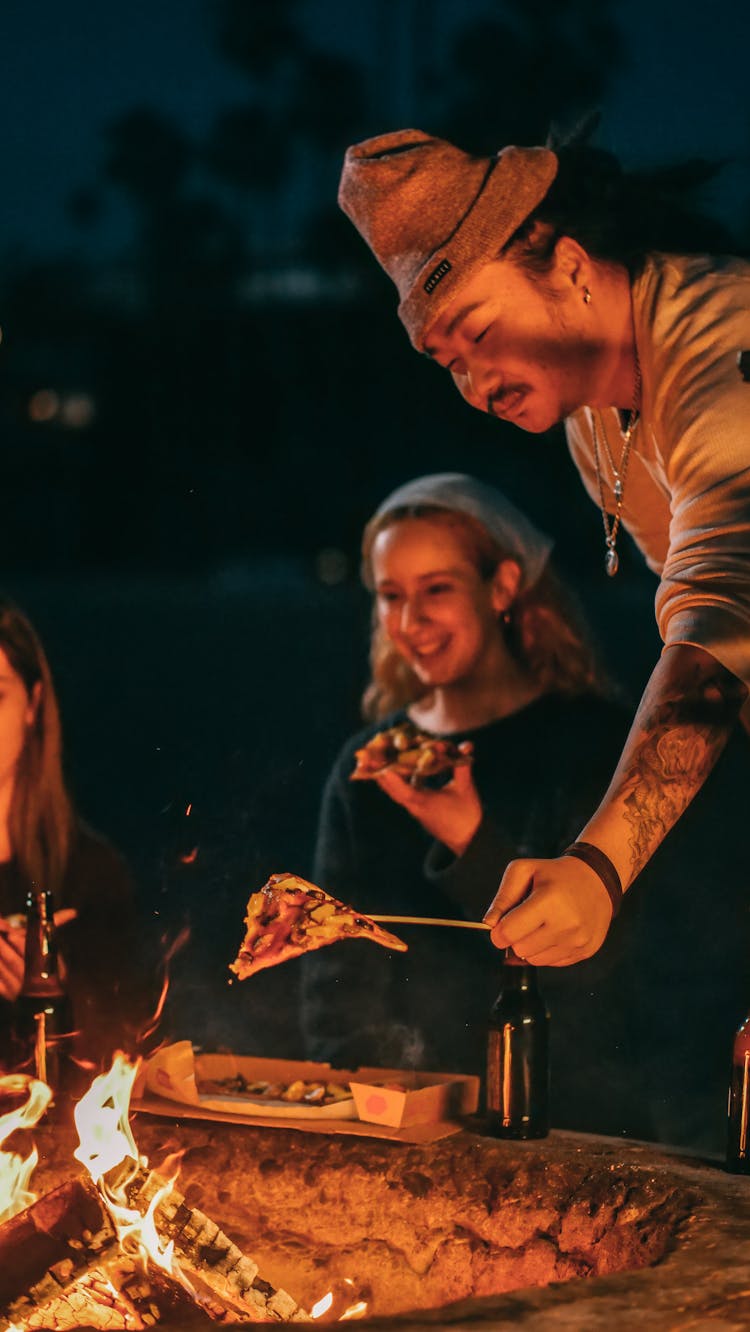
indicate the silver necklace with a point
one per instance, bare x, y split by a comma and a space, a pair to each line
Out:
619, 472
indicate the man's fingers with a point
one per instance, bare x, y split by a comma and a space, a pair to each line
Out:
556, 956
516, 883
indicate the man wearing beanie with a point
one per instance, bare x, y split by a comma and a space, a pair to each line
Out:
553, 289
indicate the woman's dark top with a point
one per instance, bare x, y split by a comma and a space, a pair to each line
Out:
102, 950
539, 774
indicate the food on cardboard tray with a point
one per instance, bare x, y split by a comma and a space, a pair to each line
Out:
298, 1091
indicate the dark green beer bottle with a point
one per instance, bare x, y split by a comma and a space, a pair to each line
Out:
517, 1092
738, 1134
42, 1016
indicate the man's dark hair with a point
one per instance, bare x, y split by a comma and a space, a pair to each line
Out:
621, 216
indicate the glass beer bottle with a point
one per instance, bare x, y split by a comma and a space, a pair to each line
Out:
517, 1090
41, 1020
738, 1134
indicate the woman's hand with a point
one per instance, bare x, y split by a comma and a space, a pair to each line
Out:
452, 814
552, 913
12, 947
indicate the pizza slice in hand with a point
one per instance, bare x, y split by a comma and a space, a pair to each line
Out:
418, 758
290, 916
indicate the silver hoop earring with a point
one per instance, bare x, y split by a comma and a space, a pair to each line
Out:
586, 296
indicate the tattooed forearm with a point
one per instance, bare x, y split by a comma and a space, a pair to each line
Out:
683, 723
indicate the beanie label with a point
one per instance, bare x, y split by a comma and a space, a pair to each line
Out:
437, 275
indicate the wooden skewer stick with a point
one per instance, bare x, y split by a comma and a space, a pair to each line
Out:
429, 920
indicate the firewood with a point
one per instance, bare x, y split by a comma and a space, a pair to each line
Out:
46, 1250
205, 1252
47, 1247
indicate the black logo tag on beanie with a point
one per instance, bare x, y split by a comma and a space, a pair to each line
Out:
743, 361
437, 275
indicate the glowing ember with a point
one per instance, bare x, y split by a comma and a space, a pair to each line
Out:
15, 1170
336, 1306
322, 1306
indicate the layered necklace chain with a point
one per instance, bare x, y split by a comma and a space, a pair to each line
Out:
619, 473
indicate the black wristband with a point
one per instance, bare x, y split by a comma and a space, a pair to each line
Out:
600, 863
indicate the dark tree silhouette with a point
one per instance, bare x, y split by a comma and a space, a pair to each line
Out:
255, 35
508, 78
147, 155
245, 150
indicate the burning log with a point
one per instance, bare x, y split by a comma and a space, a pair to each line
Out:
204, 1252
67, 1235
54, 1242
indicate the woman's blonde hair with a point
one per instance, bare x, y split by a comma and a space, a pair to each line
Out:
544, 629
41, 814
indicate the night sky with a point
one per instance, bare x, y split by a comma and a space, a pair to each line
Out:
69, 69
168, 550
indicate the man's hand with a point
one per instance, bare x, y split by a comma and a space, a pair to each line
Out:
552, 913
452, 814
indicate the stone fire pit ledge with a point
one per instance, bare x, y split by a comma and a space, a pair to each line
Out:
564, 1235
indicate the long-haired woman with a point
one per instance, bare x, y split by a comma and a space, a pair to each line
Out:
474, 638
43, 845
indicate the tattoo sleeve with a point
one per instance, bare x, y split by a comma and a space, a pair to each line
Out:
682, 724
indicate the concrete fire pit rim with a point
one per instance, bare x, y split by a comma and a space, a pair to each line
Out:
702, 1276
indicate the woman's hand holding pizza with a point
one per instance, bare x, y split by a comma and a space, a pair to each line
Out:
451, 814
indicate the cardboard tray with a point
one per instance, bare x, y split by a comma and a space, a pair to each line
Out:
184, 1070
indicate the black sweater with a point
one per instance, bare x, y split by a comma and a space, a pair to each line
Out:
103, 949
540, 774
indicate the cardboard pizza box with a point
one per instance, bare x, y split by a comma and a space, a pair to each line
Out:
427, 1098
422, 1106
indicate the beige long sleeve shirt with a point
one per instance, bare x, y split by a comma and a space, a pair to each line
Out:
686, 499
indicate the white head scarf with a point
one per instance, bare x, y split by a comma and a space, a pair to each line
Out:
456, 491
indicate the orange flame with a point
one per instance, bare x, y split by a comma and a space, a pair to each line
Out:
179, 941
15, 1170
105, 1142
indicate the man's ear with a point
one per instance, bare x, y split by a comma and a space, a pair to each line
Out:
572, 262
506, 582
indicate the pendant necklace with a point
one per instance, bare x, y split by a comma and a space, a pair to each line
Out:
619, 472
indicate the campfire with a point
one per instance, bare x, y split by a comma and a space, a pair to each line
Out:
119, 1246
324, 1226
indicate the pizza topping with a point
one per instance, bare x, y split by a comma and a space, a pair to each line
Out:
299, 1091
289, 916
415, 756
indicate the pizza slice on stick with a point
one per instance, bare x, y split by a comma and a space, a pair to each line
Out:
417, 757
289, 916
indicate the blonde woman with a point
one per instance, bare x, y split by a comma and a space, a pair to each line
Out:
474, 637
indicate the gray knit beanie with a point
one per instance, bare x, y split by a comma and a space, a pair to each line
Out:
433, 214
458, 492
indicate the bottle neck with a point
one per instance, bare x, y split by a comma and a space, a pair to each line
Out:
41, 974
517, 974
742, 1040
